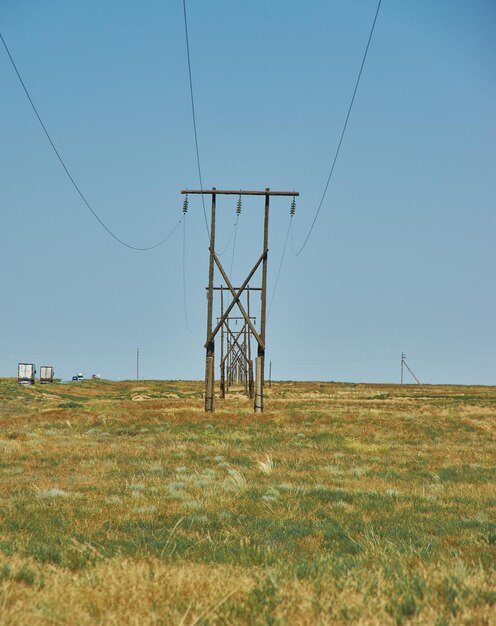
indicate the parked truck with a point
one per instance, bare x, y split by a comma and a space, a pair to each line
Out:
46, 374
26, 373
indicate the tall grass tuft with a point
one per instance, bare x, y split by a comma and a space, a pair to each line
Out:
266, 466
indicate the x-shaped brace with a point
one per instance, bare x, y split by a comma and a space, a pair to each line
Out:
236, 300
234, 344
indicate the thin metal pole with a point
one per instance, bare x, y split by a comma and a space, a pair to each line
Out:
137, 363
402, 363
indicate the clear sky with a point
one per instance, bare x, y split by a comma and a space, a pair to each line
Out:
402, 258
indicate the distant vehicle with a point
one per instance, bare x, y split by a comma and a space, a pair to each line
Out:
46, 374
78, 376
26, 373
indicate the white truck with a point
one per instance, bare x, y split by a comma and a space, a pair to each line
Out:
46, 374
26, 373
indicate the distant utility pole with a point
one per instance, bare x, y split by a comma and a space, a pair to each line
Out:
137, 363
270, 374
405, 364
236, 297
235, 354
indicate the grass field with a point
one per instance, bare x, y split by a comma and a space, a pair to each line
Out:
123, 503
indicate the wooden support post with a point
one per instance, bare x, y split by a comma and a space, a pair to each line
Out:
245, 361
229, 356
250, 375
222, 362
209, 384
210, 348
259, 384
259, 367
248, 355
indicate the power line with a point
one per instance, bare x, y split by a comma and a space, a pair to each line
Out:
184, 276
194, 115
191, 330
64, 354
66, 169
343, 131
234, 246
280, 265
451, 362
340, 361
169, 356
229, 241
238, 213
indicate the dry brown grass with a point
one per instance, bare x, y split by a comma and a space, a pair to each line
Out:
123, 503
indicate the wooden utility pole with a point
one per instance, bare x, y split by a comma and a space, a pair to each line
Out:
222, 361
235, 360
259, 368
137, 363
248, 354
210, 345
405, 364
235, 352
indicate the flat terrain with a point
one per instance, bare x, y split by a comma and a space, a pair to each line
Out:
123, 503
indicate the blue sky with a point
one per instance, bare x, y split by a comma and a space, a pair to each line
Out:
402, 257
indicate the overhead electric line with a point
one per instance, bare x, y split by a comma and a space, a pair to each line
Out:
64, 354
343, 131
224, 250
69, 175
234, 246
185, 306
184, 277
280, 265
238, 213
194, 114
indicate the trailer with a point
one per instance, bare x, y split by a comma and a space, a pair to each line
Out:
46, 374
26, 373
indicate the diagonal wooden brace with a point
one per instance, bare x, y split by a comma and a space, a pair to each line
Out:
234, 344
238, 358
236, 297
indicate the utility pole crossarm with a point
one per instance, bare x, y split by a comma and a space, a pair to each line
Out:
235, 288
239, 192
